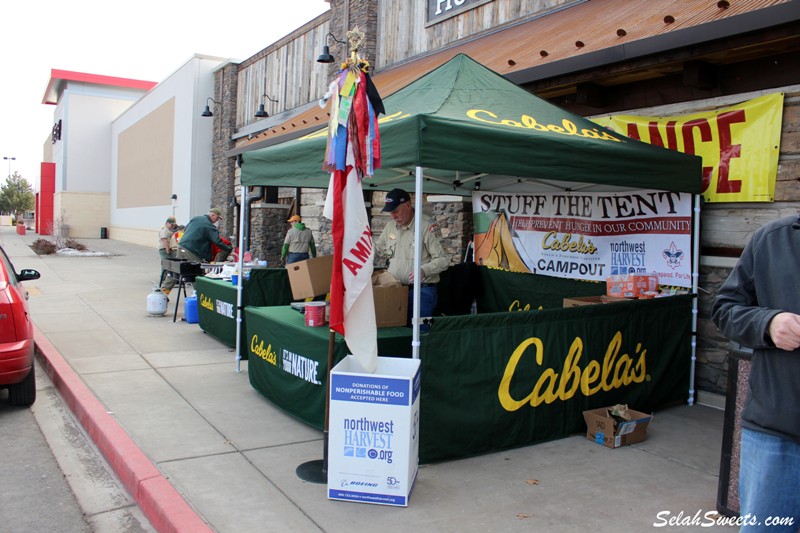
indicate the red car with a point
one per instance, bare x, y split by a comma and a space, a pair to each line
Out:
16, 334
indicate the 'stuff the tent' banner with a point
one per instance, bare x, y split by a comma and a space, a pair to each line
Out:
739, 145
586, 236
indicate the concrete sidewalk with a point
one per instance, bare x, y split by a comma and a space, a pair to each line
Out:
200, 449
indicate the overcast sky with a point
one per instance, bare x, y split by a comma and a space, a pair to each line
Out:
145, 40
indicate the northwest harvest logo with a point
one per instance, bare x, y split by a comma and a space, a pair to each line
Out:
368, 439
627, 258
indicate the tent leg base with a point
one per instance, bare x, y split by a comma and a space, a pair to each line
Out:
313, 471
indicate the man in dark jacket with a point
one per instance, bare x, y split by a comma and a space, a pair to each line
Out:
200, 233
759, 307
195, 243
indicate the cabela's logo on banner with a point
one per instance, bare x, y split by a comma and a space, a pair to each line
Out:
613, 372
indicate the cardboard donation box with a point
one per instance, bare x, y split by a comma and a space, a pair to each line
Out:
373, 435
631, 285
311, 277
614, 431
391, 306
391, 300
577, 301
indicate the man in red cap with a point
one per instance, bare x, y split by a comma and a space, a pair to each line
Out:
299, 242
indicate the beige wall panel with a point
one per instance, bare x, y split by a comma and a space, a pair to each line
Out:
88, 212
145, 158
142, 237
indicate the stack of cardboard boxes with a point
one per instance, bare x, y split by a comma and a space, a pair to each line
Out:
312, 277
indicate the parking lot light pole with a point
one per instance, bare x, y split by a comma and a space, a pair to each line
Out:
9, 159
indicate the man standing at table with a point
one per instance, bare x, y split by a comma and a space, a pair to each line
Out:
195, 244
396, 243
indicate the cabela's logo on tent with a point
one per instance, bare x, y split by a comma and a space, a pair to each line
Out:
613, 372
567, 127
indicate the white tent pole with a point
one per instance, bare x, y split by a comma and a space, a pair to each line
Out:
243, 212
417, 261
695, 293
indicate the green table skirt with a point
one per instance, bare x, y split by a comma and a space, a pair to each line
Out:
288, 361
216, 301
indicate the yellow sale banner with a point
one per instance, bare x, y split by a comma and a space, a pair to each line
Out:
739, 145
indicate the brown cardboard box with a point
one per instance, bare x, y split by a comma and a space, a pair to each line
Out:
577, 301
603, 429
391, 306
631, 285
311, 277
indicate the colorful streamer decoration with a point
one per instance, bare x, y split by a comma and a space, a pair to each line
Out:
353, 152
355, 106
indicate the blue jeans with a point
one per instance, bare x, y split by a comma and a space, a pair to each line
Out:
294, 257
427, 303
769, 482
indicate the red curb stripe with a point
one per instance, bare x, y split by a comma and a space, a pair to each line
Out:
160, 502
167, 513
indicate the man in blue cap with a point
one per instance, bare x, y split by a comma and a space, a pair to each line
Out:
396, 243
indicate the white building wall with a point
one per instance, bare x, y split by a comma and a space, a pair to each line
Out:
87, 139
189, 86
82, 156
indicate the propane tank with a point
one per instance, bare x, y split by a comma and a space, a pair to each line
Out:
156, 302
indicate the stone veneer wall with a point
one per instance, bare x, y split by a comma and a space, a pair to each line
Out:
224, 168
350, 14
712, 348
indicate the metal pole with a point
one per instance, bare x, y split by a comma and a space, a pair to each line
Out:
243, 212
9, 159
316, 471
417, 262
695, 293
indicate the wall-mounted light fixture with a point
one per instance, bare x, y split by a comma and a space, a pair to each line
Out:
262, 113
325, 56
207, 111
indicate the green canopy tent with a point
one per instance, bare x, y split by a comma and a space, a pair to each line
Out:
470, 128
462, 127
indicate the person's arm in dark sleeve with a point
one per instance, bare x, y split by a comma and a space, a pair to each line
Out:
736, 311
